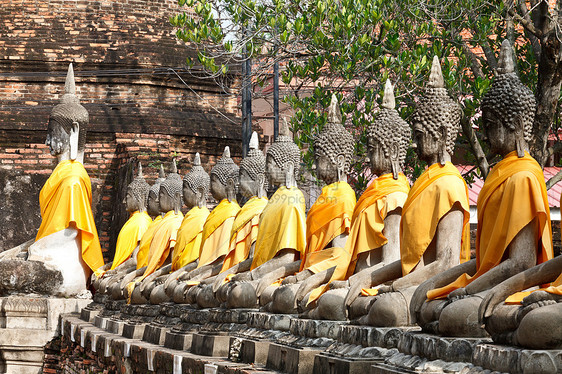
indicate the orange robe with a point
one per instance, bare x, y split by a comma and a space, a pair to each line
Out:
129, 236
164, 239
65, 200
282, 225
513, 195
244, 232
384, 195
216, 232
328, 218
190, 236
144, 244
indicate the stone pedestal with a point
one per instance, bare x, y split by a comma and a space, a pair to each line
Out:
26, 325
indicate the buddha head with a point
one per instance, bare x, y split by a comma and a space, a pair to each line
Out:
170, 194
508, 108
253, 181
68, 122
388, 137
333, 147
137, 193
283, 159
196, 185
224, 177
436, 120
153, 204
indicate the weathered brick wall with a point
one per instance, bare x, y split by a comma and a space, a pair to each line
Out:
130, 77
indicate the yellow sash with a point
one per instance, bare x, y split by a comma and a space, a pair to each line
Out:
164, 238
244, 232
512, 196
190, 236
329, 217
216, 232
144, 244
65, 199
432, 196
282, 225
383, 195
129, 236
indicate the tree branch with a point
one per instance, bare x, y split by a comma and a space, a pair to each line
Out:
468, 131
552, 181
490, 56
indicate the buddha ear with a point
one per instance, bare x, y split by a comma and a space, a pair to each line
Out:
74, 131
341, 167
394, 163
443, 146
519, 142
289, 174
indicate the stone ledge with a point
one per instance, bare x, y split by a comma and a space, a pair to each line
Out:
517, 360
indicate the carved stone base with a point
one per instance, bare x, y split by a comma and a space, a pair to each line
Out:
26, 325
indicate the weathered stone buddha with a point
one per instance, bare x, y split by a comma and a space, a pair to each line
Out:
253, 185
434, 224
196, 186
328, 221
132, 231
374, 239
514, 231
115, 283
282, 228
66, 249
164, 239
215, 239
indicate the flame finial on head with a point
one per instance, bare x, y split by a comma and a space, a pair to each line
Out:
334, 113
436, 79
70, 84
197, 160
505, 60
161, 173
254, 142
388, 98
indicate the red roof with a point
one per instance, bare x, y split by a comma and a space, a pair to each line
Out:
549, 172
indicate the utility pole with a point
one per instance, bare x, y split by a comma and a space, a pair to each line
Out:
275, 100
246, 102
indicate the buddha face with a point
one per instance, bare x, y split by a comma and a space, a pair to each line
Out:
166, 201
189, 196
248, 186
275, 173
500, 139
218, 190
153, 206
427, 147
326, 170
131, 202
380, 164
57, 139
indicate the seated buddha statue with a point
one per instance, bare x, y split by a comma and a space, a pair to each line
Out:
281, 230
374, 238
164, 239
253, 186
215, 238
328, 221
66, 249
530, 319
514, 231
132, 231
434, 224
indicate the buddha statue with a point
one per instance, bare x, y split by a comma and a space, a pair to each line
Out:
514, 231
196, 186
216, 230
281, 231
66, 249
328, 221
374, 239
132, 231
253, 186
115, 283
434, 224
164, 239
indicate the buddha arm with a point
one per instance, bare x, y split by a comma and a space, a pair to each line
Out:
152, 277
205, 271
312, 282
544, 273
391, 250
522, 256
372, 278
275, 274
238, 268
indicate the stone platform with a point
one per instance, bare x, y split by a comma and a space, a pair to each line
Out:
247, 341
27, 323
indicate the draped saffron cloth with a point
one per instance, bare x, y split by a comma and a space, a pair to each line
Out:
190, 236
384, 195
282, 225
129, 236
328, 218
144, 244
432, 196
244, 232
164, 239
216, 232
513, 195
65, 200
